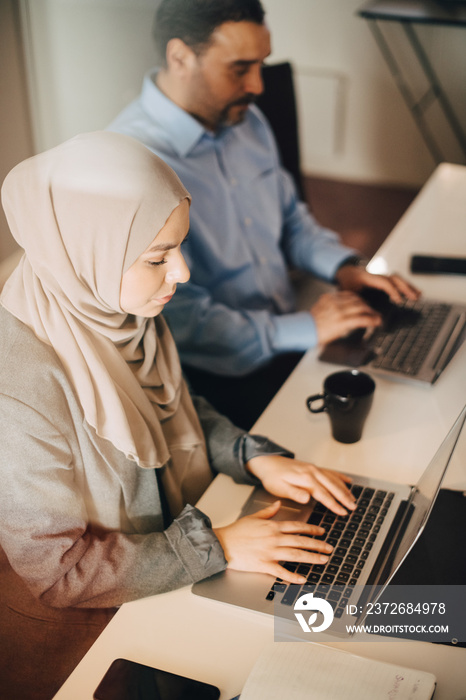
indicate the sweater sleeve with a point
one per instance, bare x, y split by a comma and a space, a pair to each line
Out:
229, 447
65, 559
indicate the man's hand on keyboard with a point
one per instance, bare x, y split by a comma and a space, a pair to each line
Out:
354, 279
291, 478
336, 314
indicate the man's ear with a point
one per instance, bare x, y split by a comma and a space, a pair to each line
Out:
180, 57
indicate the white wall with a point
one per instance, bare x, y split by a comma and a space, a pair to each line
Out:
87, 58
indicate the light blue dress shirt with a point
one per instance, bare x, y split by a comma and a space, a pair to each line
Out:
247, 226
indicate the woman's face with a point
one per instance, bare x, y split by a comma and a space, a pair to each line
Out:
151, 281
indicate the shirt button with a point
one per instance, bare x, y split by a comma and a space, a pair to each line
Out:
248, 221
233, 182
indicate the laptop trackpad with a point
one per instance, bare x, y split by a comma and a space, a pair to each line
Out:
288, 511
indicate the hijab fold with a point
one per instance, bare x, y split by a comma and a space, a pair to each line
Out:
83, 212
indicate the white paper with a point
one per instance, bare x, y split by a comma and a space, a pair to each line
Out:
299, 671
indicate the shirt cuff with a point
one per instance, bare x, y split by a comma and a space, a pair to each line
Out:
295, 331
258, 445
352, 261
351, 257
192, 537
250, 446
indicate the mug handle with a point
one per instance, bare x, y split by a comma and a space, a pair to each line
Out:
316, 397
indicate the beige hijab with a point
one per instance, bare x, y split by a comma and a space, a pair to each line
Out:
83, 212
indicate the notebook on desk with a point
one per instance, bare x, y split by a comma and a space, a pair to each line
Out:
416, 341
369, 544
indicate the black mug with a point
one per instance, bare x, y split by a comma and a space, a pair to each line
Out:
347, 398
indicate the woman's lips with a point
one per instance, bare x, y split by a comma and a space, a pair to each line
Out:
164, 300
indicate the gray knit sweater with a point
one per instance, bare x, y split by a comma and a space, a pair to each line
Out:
82, 525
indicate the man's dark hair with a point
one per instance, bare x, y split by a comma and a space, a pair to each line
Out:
193, 21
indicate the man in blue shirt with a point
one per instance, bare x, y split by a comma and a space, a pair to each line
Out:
236, 324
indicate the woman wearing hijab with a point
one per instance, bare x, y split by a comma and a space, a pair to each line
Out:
104, 452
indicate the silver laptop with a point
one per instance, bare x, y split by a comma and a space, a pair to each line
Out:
369, 544
416, 341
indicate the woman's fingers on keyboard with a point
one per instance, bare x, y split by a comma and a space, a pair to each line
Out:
334, 492
287, 538
302, 528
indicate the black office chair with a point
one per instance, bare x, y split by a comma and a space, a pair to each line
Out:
278, 102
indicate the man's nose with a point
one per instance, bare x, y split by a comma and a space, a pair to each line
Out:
254, 82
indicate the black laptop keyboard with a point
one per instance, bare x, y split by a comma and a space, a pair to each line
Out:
408, 334
352, 537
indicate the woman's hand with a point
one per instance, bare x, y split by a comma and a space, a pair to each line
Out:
290, 478
257, 543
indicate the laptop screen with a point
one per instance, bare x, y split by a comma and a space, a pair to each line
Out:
425, 492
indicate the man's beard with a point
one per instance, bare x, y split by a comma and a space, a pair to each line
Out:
224, 116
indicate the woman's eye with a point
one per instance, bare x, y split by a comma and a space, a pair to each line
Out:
155, 263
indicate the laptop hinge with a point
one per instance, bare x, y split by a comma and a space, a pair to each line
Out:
385, 558
451, 345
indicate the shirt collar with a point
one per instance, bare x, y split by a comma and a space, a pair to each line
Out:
183, 130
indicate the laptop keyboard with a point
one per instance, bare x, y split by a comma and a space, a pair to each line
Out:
408, 335
352, 537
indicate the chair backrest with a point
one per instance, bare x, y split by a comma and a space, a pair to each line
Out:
278, 102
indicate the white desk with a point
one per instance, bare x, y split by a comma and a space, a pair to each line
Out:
218, 643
